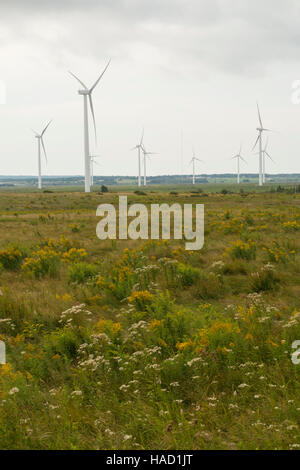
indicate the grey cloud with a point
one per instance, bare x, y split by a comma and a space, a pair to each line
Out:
237, 36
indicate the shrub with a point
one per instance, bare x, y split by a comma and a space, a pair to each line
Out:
81, 272
264, 280
140, 193
279, 254
243, 250
123, 279
44, 261
188, 275
64, 342
104, 189
11, 258
234, 267
141, 299
291, 226
74, 228
74, 255
210, 287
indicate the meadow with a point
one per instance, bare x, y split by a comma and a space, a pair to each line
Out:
141, 344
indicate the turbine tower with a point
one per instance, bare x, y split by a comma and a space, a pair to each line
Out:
146, 154
265, 153
41, 144
92, 162
139, 147
260, 130
193, 162
239, 157
87, 95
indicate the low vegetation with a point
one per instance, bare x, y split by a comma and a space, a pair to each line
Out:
141, 344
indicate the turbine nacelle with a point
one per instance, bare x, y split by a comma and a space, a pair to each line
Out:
84, 92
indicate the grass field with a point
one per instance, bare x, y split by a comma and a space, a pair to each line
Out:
143, 345
158, 188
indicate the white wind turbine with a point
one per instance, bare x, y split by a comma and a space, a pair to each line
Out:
41, 144
239, 157
265, 153
139, 147
92, 162
260, 129
146, 154
194, 159
87, 94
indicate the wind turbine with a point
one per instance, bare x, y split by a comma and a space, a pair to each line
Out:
265, 153
41, 144
260, 130
92, 162
87, 94
139, 147
193, 162
239, 157
146, 154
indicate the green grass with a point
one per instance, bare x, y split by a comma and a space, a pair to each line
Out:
143, 345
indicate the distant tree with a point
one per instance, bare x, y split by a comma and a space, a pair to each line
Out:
104, 189
140, 193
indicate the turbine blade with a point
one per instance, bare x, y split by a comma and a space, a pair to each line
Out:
243, 159
98, 80
81, 83
269, 156
259, 116
93, 115
42, 142
255, 142
266, 145
46, 128
141, 142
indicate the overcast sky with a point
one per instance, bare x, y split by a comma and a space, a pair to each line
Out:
179, 67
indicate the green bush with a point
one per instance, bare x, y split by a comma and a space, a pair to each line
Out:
11, 258
188, 275
64, 342
82, 272
210, 286
264, 280
45, 261
243, 250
